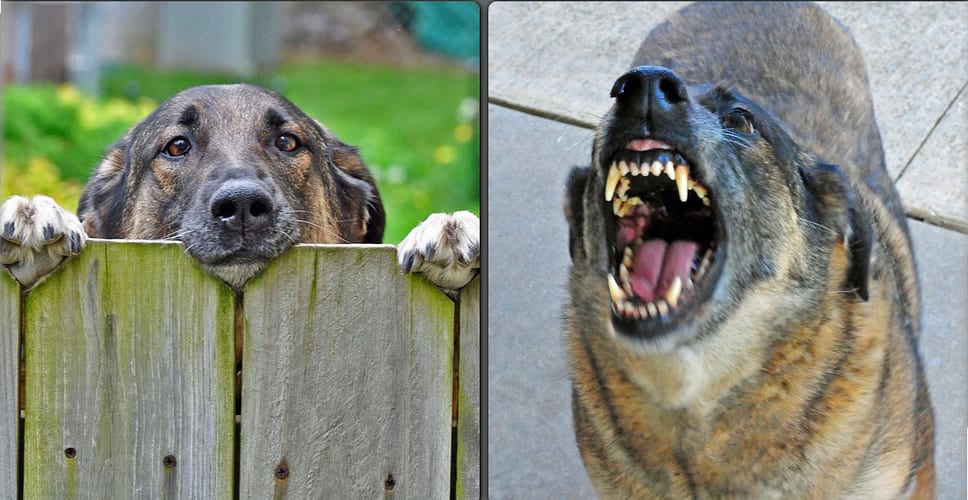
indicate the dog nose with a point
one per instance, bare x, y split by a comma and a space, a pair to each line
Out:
651, 91
242, 205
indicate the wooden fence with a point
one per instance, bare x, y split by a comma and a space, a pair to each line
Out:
350, 376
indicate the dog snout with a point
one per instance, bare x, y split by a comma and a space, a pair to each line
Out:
652, 92
242, 205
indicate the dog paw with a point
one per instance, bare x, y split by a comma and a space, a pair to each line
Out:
444, 248
36, 235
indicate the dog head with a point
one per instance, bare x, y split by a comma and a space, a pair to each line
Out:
697, 201
238, 174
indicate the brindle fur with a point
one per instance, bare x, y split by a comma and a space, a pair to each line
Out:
800, 376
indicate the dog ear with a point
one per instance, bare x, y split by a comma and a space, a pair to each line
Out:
349, 165
840, 207
102, 201
359, 186
574, 211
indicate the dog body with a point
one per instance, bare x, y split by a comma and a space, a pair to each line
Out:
238, 174
743, 315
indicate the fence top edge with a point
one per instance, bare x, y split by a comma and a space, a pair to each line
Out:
355, 246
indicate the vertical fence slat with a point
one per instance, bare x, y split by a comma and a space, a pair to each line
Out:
9, 365
129, 359
346, 378
469, 394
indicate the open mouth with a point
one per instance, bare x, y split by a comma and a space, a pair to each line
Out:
666, 235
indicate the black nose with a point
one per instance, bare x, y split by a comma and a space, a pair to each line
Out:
242, 205
651, 91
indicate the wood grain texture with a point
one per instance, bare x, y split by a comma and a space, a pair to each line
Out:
469, 394
9, 356
346, 378
130, 358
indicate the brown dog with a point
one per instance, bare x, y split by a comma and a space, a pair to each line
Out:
238, 174
743, 315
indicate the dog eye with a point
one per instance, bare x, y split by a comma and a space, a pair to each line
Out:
287, 143
177, 147
738, 119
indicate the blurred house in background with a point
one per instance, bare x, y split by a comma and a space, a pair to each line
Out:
61, 42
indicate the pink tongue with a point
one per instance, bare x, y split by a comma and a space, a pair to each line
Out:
656, 266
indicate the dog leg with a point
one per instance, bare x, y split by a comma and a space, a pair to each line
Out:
444, 248
36, 235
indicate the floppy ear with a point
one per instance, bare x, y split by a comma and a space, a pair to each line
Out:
102, 201
359, 186
350, 167
574, 211
840, 207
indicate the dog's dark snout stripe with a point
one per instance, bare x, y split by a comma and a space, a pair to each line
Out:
242, 205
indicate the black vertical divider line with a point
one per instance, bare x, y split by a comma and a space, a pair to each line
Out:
21, 383
237, 410
455, 398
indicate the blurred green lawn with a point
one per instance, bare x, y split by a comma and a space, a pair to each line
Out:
417, 129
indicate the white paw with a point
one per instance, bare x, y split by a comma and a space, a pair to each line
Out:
444, 248
36, 235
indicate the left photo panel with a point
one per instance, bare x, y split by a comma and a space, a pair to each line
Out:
241, 249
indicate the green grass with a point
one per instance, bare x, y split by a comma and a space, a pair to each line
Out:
408, 124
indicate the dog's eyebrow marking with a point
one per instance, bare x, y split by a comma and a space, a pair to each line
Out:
189, 117
274, 119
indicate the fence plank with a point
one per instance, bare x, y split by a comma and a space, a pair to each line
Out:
469, 394
9, 365
346, 378
141, 367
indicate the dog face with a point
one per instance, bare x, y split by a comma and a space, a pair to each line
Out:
680, 214
239, 174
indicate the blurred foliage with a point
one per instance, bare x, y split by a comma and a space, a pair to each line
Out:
417, 129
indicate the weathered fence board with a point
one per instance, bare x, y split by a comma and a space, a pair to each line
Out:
9, 362
469, 394
129, 360
347, 379
131, 379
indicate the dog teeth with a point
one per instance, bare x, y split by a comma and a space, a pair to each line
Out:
618, 296
672, 295
618, 182
682, 182
611, 182
627, 304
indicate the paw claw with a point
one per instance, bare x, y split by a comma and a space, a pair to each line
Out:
445, 248
34, 234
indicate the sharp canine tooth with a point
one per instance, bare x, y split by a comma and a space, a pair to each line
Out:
623, 168
618, 296
670, 171
617, 206
672, 296
656, 168
682, 180
611, 182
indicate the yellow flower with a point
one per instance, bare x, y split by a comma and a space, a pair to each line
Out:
444, 154
68, 94
463, 133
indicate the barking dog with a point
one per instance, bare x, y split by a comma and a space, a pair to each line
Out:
743, 312
238, 174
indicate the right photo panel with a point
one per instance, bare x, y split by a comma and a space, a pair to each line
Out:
727, 250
